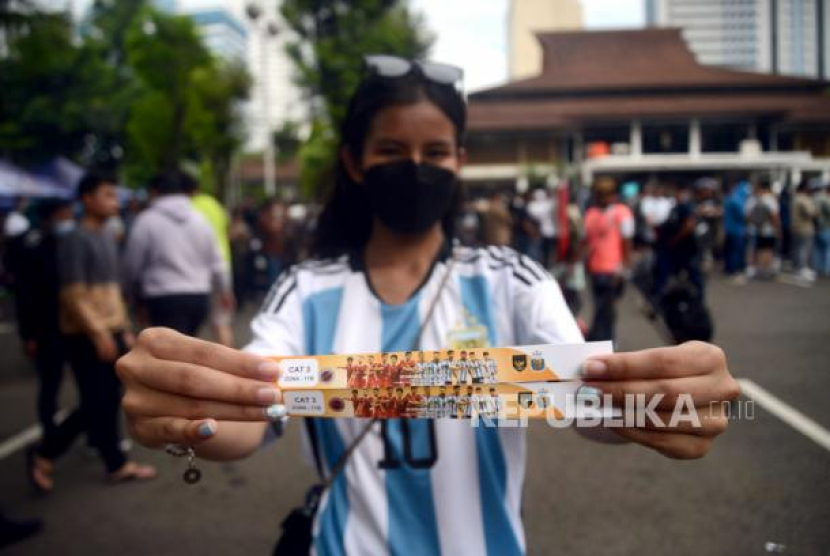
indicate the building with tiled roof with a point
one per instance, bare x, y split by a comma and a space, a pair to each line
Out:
636, 103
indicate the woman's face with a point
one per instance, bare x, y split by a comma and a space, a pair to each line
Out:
418, 132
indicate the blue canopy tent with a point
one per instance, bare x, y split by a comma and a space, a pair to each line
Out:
58, 177
16, 182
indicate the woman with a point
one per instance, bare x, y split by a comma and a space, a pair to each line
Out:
417, 486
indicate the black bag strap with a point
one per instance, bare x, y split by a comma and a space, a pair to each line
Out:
311, 429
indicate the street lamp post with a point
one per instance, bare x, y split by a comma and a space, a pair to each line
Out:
267, 31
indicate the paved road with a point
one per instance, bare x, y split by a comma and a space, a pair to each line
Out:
763, 482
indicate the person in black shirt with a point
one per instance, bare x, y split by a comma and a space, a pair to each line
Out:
676, 249
32, 262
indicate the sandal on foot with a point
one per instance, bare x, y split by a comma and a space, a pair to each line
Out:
39, 472
131, 471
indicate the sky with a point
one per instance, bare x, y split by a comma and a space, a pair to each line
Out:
472, 34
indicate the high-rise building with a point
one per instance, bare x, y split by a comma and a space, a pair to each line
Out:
526, 18
222, 33
268, 64
776, 36
273, 73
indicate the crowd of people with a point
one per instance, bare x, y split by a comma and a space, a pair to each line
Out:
662, 231
182, 261
86, 272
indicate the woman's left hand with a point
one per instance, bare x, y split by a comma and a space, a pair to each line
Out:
693, 375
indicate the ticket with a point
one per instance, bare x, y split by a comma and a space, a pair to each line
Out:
447, 367
529, 400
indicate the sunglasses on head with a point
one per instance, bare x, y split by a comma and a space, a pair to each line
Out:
385, 65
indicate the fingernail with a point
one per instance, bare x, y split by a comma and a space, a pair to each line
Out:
589, 392
206, 430
593, 368
275, 412
268, 369
266, 395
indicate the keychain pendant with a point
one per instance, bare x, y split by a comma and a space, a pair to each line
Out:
192, 476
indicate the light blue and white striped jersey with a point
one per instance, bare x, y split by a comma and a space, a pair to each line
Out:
417, 486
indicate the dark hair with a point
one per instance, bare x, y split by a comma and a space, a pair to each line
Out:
91, 181
764, 183
346, 220
47, 207
172, 182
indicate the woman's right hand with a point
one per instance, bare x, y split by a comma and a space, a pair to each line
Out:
179, 389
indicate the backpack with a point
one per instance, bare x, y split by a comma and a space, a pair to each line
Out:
760, 213
684, 313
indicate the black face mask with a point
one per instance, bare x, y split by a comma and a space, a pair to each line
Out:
409, 198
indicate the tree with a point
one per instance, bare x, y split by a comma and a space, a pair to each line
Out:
188, 106
333, 36
44, 85
62, 92
214, 123
131, 88
164, 52
105, 33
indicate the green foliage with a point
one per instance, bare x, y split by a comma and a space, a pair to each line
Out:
332, 37
131, 82
214, 123
287, 140
164, 52
42, 104
318, 155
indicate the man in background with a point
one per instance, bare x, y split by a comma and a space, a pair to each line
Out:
609, 228
803, 231
677, 249
734, 227
172, 261
763, 218
96, 332
542, 208
32, 260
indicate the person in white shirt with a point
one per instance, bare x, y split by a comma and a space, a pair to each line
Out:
16, 223
542, 208
492, 368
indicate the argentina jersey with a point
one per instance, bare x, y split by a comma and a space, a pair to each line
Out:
416, 486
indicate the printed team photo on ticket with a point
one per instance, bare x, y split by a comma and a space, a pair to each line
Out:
532, 400
447, 367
